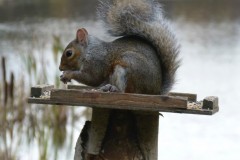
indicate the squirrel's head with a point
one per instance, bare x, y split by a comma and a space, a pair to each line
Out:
74, 51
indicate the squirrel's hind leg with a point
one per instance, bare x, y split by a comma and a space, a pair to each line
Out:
117, 81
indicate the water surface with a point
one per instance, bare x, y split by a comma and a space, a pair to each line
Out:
209, 34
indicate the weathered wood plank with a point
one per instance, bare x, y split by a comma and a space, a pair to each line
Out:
71, 86
85, 96
99, 123
118, 100
190, 96
189, 110
39, 90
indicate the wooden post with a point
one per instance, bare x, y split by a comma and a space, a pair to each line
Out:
147, 124
127, 135
124, 126
123, 135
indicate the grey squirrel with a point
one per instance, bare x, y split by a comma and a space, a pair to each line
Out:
143, 58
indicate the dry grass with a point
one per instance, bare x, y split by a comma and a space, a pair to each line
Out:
21, 124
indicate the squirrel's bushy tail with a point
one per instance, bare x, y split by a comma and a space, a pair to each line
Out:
144, 18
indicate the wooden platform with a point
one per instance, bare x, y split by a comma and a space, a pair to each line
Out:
89, 97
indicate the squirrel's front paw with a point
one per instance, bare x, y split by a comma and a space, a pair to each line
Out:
66, 77
109, 88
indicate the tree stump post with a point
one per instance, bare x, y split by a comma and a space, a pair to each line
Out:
119, 134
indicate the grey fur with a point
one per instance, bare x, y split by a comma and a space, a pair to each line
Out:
130, 63
144, 18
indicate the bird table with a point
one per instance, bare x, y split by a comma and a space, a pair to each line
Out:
124, 126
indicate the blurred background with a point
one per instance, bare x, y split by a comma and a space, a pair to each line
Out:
33, 34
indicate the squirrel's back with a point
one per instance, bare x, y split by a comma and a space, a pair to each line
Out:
144, 18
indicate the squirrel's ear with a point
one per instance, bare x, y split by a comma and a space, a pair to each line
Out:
82, 36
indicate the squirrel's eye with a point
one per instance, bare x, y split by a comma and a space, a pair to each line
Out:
69, 53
